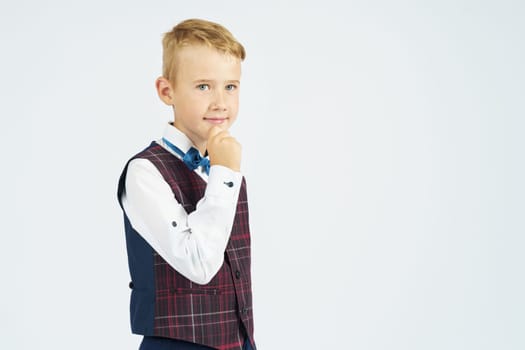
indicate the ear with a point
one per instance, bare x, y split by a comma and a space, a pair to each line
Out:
164, 90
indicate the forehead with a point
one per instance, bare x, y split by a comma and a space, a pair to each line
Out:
203, 62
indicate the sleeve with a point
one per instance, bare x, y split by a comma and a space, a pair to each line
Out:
193, 244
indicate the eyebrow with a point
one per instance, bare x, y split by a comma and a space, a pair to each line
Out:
198, 81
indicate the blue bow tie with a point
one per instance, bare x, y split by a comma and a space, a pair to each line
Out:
192, 158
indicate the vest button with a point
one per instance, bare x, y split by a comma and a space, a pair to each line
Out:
174, 224
131, 285
238, 274
244, 311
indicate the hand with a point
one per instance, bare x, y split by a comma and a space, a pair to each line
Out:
223, 149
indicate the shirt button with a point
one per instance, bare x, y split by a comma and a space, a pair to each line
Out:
238, 274
229, 184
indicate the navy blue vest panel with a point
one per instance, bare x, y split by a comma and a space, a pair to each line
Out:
142, 272
140, 260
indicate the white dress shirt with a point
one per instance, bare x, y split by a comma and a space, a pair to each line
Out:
195, 244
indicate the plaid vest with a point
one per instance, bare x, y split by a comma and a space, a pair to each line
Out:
166, 304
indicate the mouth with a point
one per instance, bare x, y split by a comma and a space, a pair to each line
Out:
216, 120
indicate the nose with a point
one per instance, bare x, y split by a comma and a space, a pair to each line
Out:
218, 102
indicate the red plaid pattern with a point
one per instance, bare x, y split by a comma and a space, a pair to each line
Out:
213, 314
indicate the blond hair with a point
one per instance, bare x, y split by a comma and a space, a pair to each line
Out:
197, 31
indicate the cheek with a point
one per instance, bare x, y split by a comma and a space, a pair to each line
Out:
196, 105
233, 110
234, 103
189, 111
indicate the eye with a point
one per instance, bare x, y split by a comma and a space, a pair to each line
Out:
231, 87
203, 87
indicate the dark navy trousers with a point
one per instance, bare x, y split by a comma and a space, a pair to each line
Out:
156, 343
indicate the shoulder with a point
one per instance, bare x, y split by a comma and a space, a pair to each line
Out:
141, 165
139, 170
152, 151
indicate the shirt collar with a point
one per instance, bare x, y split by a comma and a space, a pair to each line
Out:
176, 137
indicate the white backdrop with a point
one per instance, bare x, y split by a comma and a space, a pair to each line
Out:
383, 148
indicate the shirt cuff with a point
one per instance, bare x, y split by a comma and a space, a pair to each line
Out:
224, 183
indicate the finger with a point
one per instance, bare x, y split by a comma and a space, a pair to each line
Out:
220, 136
213, 132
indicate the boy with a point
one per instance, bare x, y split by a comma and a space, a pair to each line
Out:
185, 205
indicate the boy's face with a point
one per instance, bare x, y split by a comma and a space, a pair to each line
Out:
205, 91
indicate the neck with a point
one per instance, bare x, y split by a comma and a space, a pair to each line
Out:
201, 148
